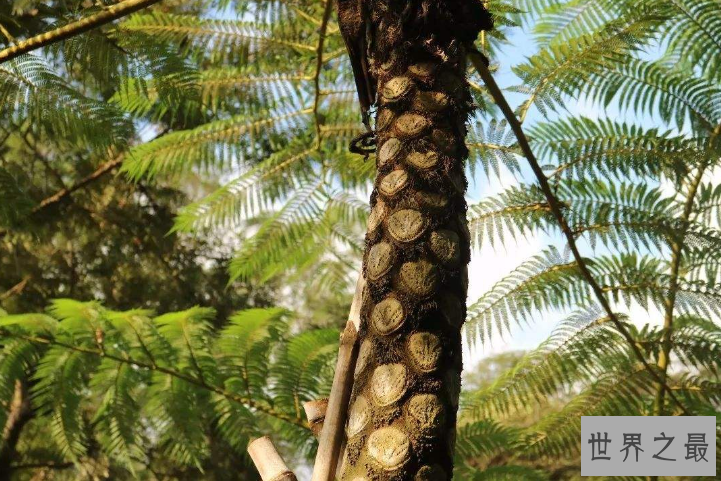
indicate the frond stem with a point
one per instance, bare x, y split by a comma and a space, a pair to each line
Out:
677, 246
170, 372
479, 62
106, 15
319, 66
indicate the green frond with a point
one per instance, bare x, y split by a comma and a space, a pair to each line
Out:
648, 87
18, 358
617, 394
693, 34
60, 379
562, 22
246, 346
696, 342
31, 92
235, 424
304, 372
32, 323
582, 347
567, 68
188, 332
231, 40
484, 438
179, 413
545, 281
619, 215
253, 191
493, 148
210, 146
580, 147
519, 210
285, 239
508, 473
119, 412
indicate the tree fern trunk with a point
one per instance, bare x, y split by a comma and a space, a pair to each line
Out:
402, 415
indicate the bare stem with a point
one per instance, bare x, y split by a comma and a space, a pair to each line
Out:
319, 66
331, 437
268, 462
315, 413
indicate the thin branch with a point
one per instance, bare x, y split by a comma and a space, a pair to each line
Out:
63, 193
42, 466
107, 15
16, 289
479, 62
319, 65
165, 370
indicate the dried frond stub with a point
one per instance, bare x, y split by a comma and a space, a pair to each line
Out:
388, 316
425, 350
394, 182
390, 448
389, 383
423, 160
419, 278
380, 260
389, 151
406, 225
410, 126
396, 89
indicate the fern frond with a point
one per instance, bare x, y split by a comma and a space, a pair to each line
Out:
31, 91
568, 67
492, 149
618, 394
540, 283
285, 234
651, 88
693, 34
245, 345
242, 197
219, 36
582, 348
211, 145
562, 22
581, 147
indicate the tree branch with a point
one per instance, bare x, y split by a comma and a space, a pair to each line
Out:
60, 195
479, 62
16, 289
677, 247
107, 15
319, 65
63, 193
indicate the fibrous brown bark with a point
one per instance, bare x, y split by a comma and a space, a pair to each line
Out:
402, 415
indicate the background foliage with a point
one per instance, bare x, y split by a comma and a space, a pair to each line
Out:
230, 122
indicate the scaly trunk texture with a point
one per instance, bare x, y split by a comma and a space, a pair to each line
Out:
402, 415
